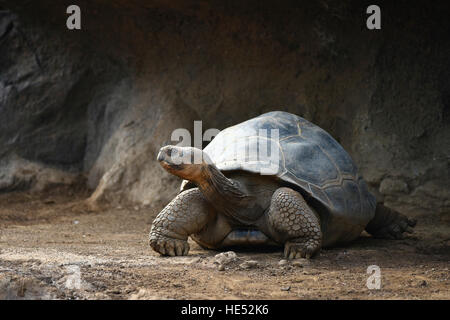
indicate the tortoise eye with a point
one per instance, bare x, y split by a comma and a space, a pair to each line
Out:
174, 153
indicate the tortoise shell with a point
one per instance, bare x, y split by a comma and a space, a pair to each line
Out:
298, 153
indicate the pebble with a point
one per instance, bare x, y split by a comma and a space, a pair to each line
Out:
76, 222
225, 257
283, 262
221, 267
286, 288
423, 283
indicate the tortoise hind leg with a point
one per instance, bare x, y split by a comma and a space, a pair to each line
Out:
389, 224
292, 222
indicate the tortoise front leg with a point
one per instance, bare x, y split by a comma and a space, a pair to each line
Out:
294, 223
186, 214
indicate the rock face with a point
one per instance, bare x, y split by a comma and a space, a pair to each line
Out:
99, 102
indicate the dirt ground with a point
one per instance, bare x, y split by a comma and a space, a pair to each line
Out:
47, 240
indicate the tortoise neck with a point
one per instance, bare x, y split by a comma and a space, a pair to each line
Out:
220, 191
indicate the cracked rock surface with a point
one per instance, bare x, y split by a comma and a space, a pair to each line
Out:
97, 104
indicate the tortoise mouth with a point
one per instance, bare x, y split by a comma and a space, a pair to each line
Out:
170, 166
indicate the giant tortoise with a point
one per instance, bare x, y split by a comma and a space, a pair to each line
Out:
274, 179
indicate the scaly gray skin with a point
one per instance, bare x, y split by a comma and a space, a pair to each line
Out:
215, 213
187, 214
294, 223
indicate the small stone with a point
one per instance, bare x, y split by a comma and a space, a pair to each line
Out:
136, 208
283, 262
286, 288
423, 283
249, 264
146, 203
221, 267
225, 257
76, 222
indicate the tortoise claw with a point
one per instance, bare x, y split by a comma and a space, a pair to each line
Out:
303, 249
169, 246
409, 230
412, 222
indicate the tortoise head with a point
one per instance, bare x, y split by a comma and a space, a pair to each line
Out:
185, 162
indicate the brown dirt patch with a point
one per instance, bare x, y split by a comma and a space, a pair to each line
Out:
43, 237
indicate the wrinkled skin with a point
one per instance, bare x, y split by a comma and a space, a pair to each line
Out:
219, 208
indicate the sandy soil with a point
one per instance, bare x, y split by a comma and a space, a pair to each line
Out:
47, 240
